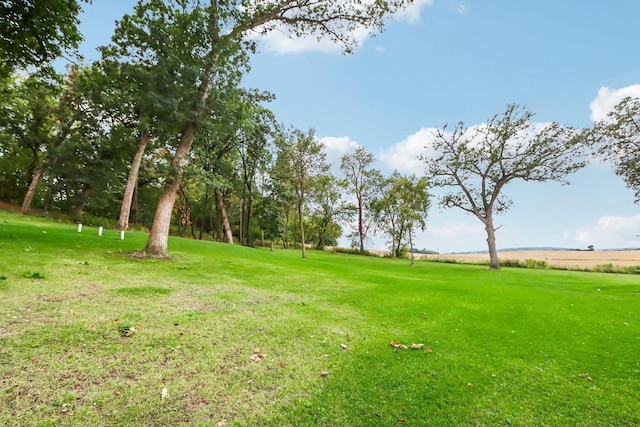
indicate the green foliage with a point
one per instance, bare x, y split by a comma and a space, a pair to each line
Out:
477, 163
35, 32
617, 139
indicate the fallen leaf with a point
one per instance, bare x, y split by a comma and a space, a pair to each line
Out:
255, 357
469, 385
324, 373
429, 349
417, 346
344, 346
164, 393
397, 345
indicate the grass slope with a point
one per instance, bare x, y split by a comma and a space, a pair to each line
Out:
227, 335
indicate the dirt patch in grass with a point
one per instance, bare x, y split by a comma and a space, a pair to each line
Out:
562, 259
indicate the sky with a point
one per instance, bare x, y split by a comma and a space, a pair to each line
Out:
446, 61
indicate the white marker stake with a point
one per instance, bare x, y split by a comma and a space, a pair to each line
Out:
99, 231
79, 228
122, 235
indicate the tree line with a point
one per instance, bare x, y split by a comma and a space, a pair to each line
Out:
160, 132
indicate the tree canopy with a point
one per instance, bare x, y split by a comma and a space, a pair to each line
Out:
476, 163
35, 32
617, 140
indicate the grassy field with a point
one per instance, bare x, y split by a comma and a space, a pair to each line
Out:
233, 336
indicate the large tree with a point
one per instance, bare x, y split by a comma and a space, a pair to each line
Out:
403, 206
477, 163
35, 32
305, 158
365, 183
618, 140
194, 39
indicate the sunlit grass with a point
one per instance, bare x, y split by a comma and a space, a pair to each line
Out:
516, 346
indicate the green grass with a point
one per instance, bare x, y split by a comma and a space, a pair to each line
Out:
247, 337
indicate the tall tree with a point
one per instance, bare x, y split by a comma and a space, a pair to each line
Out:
477, 163
617, 139
330, 210
194, 39
35, 32
365, 183
305, 157
414, 206
253, 153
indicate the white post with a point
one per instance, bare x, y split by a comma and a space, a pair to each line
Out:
100, 231
122, 235
79, 228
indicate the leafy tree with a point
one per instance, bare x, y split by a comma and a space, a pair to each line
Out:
305, 158
477, 163
415, 202
618, 141
253, 153
365, 183
28, 121
331, 209
270, 218
35, 32
402, 207
193, 40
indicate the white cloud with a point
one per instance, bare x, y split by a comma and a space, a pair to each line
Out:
280, 41
607, 99
412, 13
611, 232
336, 147
403, 155
456, 231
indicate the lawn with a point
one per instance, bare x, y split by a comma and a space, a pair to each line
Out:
233, 336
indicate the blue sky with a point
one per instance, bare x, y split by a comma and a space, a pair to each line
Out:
449, 61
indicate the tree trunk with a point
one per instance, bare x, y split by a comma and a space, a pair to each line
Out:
411, 245
360, 226
157, 245
304, 248
134, 206
79, 209
224, 218
204, 212
491, 242
394, 252
123, 221
31, 192
247, 222
49, 196
333, 239
285, 238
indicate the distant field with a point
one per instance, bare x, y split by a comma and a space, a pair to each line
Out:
565, 259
